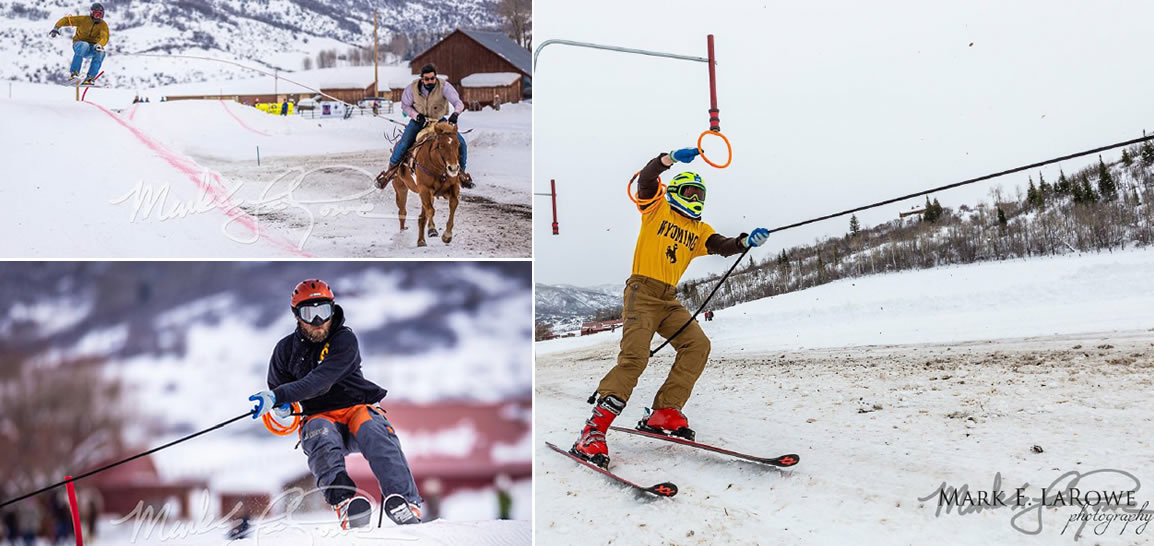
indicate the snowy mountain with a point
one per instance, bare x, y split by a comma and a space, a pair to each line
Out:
264, 34
566, 306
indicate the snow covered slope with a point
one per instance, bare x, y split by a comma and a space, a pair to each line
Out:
180, 179
441, 532
277, 34
887, 387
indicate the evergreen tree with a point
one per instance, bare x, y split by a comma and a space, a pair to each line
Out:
1147, 153
1002, 218
1127, 159
1106, 185
937, 210
854, 225
1088, 193
1044, 190
1063, 186
1032, 194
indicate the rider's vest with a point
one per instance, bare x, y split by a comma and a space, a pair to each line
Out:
434, 105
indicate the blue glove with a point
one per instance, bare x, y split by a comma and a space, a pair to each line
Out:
265, 400
757, 238
283, 411
684, 155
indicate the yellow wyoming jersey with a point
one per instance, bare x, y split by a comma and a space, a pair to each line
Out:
87, 30
667, 242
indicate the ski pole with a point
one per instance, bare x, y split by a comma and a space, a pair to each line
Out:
132, 458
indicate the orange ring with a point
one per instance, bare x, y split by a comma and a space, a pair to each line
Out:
727, 147
644, 202
279, 429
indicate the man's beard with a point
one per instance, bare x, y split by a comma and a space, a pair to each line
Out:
316, 334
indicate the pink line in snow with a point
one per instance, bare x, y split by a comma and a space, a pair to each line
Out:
238, 120
217, 190
132, 113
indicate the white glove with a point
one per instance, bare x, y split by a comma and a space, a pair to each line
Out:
98, 48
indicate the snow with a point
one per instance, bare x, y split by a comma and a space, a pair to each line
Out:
316, 530
179, 179
886, 387
489, 79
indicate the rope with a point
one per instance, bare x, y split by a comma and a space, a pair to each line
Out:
132, 458
894, 200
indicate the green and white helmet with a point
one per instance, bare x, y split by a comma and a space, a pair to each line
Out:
686, 194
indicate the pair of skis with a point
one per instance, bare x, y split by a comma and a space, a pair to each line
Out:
667, 489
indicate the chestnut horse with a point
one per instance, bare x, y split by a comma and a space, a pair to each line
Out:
431, 172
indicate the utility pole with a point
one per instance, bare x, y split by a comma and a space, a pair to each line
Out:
376, 56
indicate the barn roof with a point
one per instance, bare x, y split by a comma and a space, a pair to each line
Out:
490, 79
498, 43
502, 45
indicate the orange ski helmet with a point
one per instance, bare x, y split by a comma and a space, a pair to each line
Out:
311, 289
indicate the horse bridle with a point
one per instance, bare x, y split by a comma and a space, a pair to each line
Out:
415, 151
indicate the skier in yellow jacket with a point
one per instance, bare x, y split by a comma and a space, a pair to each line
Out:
672, 234
88, 42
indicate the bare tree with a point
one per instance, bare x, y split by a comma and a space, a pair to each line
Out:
518, 15
56, 420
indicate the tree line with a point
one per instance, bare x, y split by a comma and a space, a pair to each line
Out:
1102, 207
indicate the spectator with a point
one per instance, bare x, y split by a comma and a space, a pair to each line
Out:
28, 516
504, 499
284, 108
91, 505
432, 491
242, 529
61, 514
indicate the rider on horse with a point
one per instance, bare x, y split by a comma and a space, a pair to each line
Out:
425, 101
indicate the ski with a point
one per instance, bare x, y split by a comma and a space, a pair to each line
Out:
781, 461
665, 489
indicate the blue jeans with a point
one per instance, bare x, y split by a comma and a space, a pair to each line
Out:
410, 135
85, 50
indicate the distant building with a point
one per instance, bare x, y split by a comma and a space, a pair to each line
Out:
463, 53
124, 486
600, 326
347, 83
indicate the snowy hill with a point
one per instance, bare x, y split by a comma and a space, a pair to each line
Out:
887, 387
566, 306
182, 179
278, 34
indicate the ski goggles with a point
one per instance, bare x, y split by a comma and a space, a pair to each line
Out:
691, 192
315, 313
98, 14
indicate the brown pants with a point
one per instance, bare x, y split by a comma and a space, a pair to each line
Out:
651, 306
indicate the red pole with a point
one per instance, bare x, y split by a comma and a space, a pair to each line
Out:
714, 121
75, 509
553, 191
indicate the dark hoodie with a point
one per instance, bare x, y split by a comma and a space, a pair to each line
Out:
302, 371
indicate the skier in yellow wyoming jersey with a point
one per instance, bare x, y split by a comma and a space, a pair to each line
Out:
88, 42
672, 234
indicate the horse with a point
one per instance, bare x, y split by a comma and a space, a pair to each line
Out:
431, 171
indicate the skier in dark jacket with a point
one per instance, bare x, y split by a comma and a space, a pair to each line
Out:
319, 365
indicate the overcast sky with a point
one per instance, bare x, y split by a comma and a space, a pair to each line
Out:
828, 105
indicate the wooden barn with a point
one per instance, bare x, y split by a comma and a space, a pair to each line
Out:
464, 53
490, 89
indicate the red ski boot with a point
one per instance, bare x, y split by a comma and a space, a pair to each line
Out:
667, 421
591, 446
